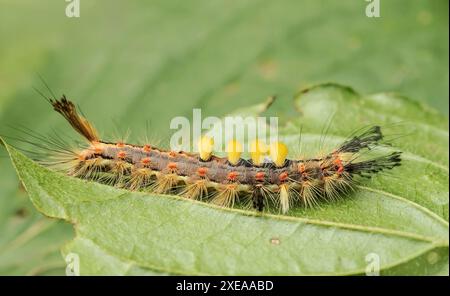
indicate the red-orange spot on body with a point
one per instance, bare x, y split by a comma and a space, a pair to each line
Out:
147, 148
121, 154
283, 176
172, 165
120, 144
146, 161
259, 176
172, 154
301, 168
338, 162
98, 150
202, 171
232, 176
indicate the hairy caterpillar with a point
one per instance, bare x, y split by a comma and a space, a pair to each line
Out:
258, 181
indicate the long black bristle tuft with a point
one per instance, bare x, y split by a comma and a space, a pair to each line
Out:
364, 140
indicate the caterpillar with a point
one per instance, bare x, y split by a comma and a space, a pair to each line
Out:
267, 179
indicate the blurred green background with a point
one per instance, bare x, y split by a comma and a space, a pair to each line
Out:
129, 62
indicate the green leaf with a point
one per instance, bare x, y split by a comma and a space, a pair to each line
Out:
123, 232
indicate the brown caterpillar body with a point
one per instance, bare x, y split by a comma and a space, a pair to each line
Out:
217, 179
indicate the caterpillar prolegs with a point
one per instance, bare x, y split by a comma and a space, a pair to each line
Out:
260, 181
